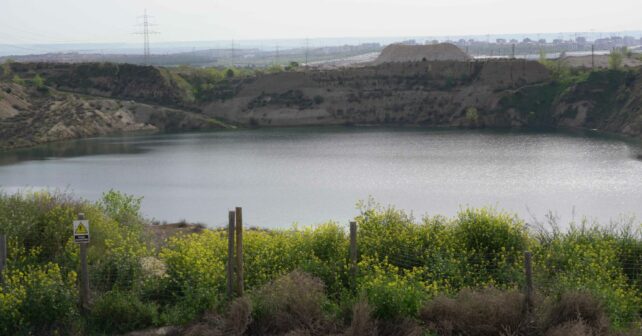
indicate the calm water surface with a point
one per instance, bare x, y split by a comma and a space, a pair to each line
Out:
282, 176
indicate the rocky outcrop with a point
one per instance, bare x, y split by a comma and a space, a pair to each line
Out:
415, 93
29, 117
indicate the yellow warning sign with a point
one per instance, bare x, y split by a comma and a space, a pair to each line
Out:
81, 231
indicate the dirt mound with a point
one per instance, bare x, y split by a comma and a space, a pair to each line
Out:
414, 53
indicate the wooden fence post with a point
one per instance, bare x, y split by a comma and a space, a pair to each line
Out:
3, 255
84, 273
528, 272
230, 255
353, 251
239, 251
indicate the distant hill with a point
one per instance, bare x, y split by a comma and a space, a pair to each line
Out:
416, 53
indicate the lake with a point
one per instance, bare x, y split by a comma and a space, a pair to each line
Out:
311, 175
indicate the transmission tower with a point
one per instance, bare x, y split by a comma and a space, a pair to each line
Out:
146, 32
307, 49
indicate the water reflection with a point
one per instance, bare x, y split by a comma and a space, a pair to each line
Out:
87, 147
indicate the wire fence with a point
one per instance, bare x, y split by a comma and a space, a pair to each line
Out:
550, 272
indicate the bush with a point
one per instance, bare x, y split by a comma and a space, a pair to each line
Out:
586, 258
17, 80
492, 246
195, 275
476, 313
294, 302
123, 208
393, 293
362, 323
578, 307
571, 328
615, 60
38, 299
119, 312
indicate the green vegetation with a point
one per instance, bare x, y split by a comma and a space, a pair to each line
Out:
411, 274
570, 85
6, 68
615, 59
472, 115
217, 83
17, 80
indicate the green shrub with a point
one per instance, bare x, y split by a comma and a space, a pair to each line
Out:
491, 245
120, 312
586, 258
615, 59
325, 256
17, 80
123, 208
195, 274
392, 293
38, 299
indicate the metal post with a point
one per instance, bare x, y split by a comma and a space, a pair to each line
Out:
528, 272
353, 250
230, 255
239, 251
3, 255
84, 273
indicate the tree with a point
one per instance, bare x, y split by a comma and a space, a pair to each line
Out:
626, 52
615, 59
38, 82
292, 66
229, 73
6, 68
17, 80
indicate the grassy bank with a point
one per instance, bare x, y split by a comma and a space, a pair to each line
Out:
433, 275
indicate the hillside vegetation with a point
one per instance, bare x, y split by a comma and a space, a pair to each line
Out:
428, 276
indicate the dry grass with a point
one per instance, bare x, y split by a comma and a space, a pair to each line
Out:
209, 325
577, 310
401, 327
362, 322
235, 323
291, 304
573, 328
476, 313
239, 317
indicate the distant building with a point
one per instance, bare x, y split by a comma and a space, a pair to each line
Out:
409, 42
542, 41
629, 40
527, 40
500, 41
514, 41
580, 40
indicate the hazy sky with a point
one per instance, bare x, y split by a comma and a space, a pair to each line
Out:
83, 21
